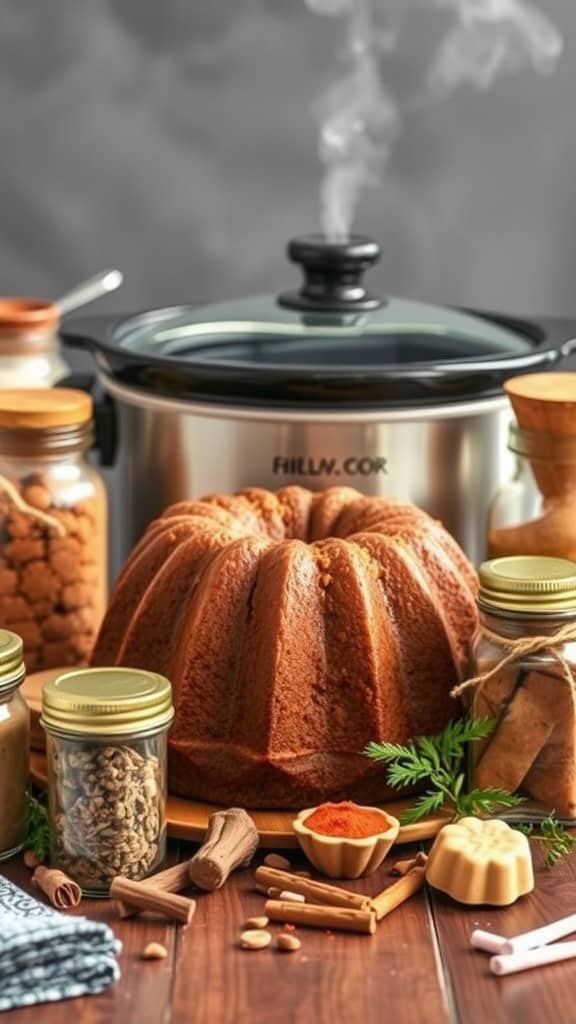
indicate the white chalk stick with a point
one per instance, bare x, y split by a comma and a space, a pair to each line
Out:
488, 941
541, 936
529, 958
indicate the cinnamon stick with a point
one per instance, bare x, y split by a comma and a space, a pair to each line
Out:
316, 892
316, 916
173, 879
231, 840
144, 896
402, 867
63, 892
396, 894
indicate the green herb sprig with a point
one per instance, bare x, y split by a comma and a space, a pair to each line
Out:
37, 828
557, 841
439, 761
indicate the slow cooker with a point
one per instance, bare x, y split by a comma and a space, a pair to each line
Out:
321, 385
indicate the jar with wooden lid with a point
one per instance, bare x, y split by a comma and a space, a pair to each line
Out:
106, 731
524, 665
53, 524
29, 344
534, 513
14, 746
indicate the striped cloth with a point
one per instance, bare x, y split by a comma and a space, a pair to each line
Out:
46, 956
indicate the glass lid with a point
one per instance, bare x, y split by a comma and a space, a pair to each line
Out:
259, 332
329, 342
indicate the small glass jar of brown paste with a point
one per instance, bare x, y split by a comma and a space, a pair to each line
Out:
14, 746
106, 746
53, 524
524, 665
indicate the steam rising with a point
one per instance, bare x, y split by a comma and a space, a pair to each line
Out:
492, 37
359, 118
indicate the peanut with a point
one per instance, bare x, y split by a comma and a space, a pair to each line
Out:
287, 943
275, 860
255, 939
256, 922
154, 951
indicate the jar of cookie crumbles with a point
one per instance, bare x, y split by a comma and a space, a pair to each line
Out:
106, 732
53, 524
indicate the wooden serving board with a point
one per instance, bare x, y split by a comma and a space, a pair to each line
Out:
188, 819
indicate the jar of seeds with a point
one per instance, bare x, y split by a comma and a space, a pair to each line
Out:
106, 744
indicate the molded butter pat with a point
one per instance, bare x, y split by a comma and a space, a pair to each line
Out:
481, 861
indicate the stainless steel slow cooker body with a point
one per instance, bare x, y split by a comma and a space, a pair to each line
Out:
322, 386
448, 460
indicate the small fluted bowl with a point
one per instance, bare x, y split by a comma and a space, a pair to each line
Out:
339, 857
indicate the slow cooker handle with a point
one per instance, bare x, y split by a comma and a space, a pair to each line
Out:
513, 364
88, 333
105, 418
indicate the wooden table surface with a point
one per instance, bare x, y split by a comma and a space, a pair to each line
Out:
417, 968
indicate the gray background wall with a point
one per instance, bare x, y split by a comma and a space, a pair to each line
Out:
173, 139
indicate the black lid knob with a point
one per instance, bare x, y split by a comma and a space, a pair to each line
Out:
333, 273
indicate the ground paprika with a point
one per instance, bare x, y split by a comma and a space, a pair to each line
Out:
346, 820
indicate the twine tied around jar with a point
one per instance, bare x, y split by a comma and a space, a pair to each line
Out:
520, 648
35, 513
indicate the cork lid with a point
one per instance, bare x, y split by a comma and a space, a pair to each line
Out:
544, 401
107, 702
27, 315
42, 408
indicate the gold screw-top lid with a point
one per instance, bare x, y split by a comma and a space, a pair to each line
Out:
11, 661
529, 583
107, 702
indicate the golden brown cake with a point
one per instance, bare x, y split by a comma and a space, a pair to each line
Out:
295, 627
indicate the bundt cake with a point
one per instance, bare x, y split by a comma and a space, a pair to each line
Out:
295, 627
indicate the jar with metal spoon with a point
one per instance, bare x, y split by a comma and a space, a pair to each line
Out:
29, 332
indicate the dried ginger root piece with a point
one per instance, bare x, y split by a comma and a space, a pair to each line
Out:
552, 778
490, 700
521, 733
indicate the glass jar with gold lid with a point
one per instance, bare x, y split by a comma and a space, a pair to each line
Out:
14, 745
53, 526
106, 745
524, 665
